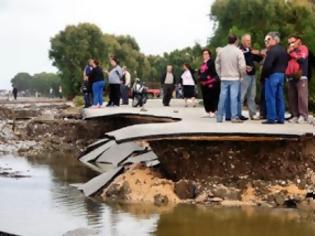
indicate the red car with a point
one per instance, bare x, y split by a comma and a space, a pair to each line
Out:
154, 93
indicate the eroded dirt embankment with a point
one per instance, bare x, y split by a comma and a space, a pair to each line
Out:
229, 173
275, 173
35, 129
197, 160
279, 173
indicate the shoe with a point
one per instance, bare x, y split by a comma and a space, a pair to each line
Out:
243, 118
280, 122
290, 117
293, 120
212, 115
267, 122
237, 121
302, 120
255, 117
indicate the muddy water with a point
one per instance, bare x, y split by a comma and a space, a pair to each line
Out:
46, 204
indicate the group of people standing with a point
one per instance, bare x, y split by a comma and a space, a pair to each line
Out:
94, 84
229, 79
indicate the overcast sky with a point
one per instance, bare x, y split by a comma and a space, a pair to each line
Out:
157, 25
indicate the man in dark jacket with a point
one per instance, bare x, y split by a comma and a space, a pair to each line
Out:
168, 84
87, 84
273, 70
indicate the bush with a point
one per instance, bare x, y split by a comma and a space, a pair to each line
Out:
78, 101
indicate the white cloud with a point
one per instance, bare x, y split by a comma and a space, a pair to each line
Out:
158, 26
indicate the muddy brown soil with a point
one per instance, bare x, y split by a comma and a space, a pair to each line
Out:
35, 129
270, 173
197, 160
279, 173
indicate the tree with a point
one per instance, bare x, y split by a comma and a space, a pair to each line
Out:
41, 83
258, 17
70, 50
21, 81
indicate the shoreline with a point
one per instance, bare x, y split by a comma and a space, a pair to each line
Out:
34, 130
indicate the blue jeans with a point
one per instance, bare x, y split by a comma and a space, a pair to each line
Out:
228, 105
274, 86
229, 91
249, 90
98, 88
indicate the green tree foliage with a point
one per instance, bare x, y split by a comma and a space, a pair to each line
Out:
43, 82
258, 17
70, 50
21, 81
127, 50
37, 83
176, 58
72, 47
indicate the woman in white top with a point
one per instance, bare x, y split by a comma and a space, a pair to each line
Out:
188, 82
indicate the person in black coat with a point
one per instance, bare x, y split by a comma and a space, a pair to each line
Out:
209, 82
98, 84
168, 81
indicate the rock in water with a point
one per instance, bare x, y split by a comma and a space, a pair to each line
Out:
185, 189
160, 200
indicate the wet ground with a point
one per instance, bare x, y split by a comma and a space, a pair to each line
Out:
44, 203
38, 197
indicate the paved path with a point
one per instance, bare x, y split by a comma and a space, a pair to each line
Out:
30, 100
194, 123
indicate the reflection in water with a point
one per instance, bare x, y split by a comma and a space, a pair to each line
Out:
46, 204
192, 220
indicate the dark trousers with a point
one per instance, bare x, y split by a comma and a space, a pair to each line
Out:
298, 97
124, 91
87, 101
88, 98
274, 86
114, 94
168, 90
262, 105
210, 97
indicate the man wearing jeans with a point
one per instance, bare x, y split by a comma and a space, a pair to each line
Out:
248, 84
231, 67
273, 70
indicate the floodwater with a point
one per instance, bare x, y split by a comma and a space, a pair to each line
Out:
46, 204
